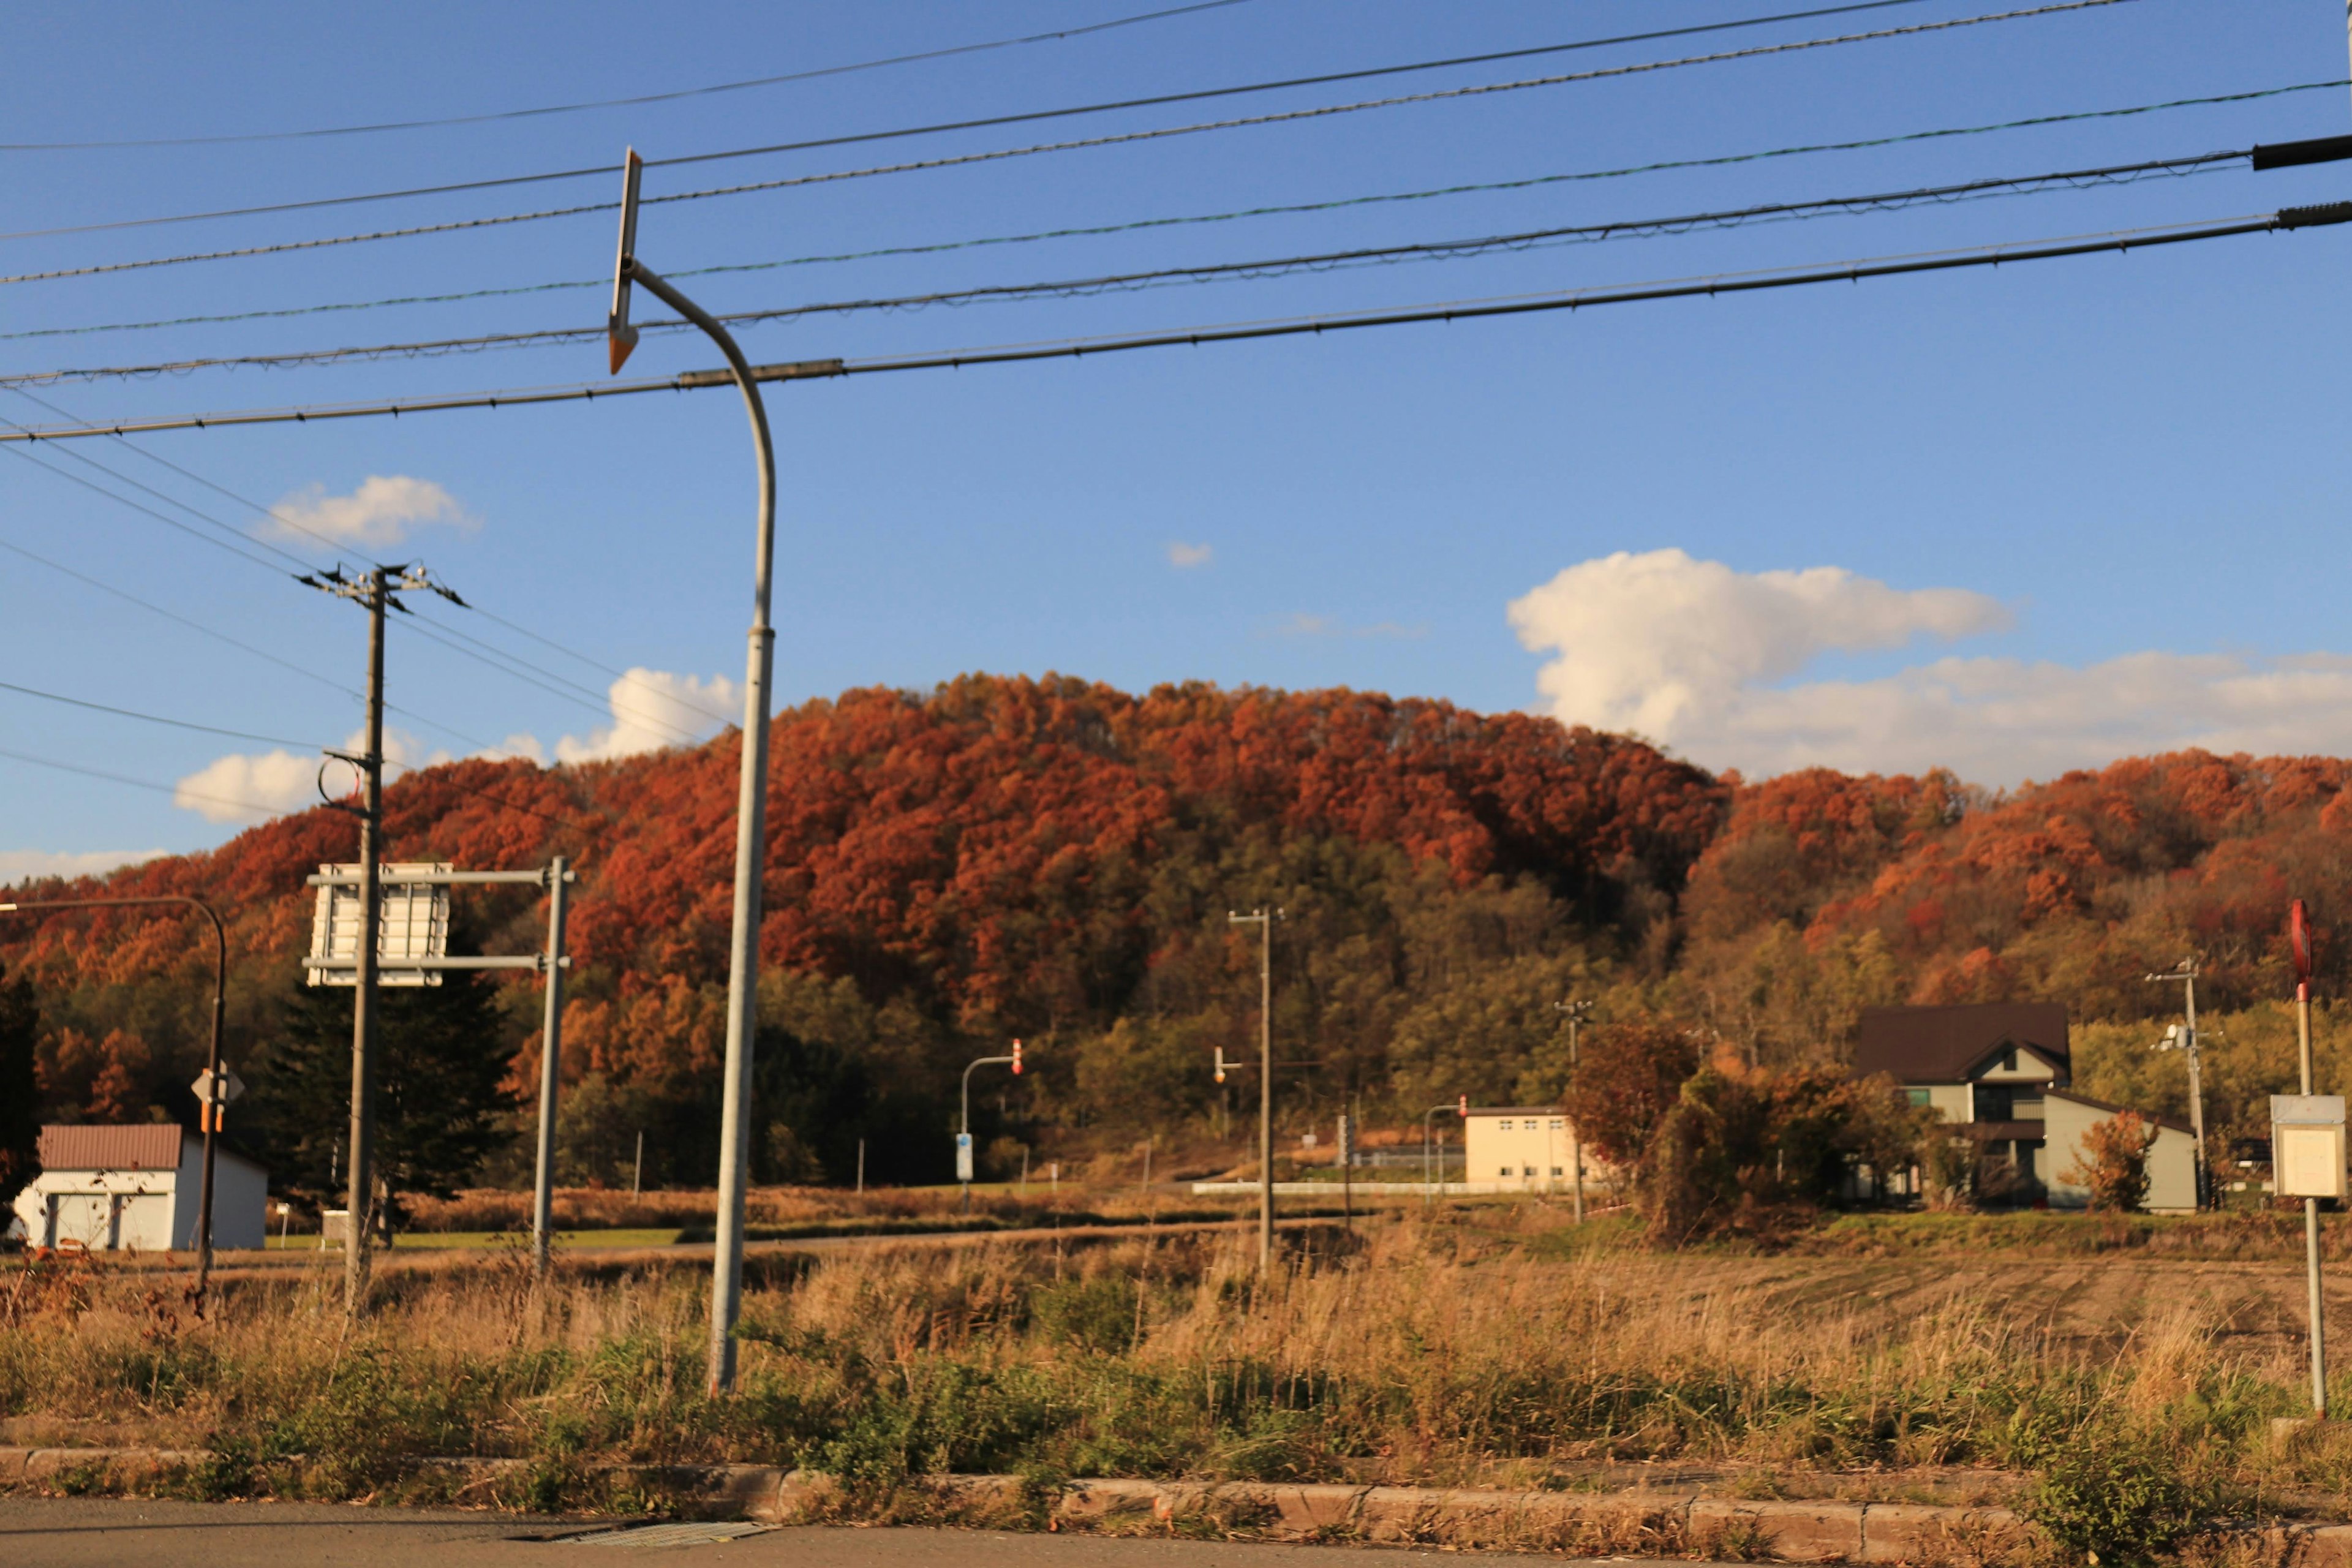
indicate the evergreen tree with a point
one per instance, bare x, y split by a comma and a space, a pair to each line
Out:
442, 1107
20, 1116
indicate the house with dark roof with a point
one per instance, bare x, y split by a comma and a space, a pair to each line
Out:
137, 1188
2000, 1074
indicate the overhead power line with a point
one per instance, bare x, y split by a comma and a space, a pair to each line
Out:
157, 718
506, 180
632, 103
182, 792
1268, 267
2118, 241
1077, 231
171, 522
197, 626
250, 735
603, 704
176, 792
223, 638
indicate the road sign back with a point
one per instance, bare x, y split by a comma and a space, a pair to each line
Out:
619, 335
413, 922
231, 1087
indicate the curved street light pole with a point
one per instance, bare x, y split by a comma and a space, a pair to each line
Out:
751, 852
210, 1112
963, 1126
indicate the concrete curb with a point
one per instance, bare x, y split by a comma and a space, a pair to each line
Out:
1626, 1523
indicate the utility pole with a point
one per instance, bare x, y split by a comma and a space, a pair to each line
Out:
751, 790
1577, 1012
374, 591
2185, 972
1264, 921
1348, 1170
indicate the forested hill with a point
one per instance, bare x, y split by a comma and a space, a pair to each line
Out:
1057, 860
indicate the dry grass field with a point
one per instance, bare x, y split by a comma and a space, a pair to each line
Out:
1897, 1358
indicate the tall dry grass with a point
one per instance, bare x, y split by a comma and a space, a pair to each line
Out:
1421, 1351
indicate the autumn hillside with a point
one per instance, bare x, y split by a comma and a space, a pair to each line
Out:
1057, 860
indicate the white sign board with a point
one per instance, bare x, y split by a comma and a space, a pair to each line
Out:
2308, 1162
2307, 1152
963, 1156
413, 923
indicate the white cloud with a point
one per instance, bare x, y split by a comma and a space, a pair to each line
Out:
1184, 556
1702, 658
377, 515
24, 865
248, 787
653, 708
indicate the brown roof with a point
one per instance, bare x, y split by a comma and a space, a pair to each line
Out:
1944, 1045
152, 1146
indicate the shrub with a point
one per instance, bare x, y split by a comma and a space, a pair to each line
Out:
2113, 1499
1627, 1083
2114, 1163
1751, 1149
1948, 1170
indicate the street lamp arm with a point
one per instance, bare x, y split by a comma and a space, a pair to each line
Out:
976, 1062
638, 272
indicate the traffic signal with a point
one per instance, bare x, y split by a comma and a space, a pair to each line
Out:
1016, 1056
1463, 1109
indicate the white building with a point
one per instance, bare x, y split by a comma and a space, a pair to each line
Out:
1520, 1148
136, 1189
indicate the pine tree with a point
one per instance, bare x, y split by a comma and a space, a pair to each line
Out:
442, 1106
20, 1115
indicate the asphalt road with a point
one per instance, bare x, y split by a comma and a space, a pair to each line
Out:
73, 1533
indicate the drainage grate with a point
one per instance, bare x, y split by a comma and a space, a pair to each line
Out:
650, 1536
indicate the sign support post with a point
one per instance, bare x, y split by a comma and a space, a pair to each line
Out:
2299, 938
551, 1064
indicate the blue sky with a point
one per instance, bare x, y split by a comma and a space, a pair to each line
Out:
2012, 521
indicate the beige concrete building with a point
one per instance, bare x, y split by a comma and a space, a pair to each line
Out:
1529, 1148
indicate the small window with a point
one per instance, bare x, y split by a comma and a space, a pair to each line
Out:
1503, 1125
1559, 1171
2009, 1059
1557, 1123
1504, 1171
1917, 1095
1529, 1171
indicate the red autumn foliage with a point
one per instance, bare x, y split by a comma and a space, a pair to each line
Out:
999, 852
1011, 856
